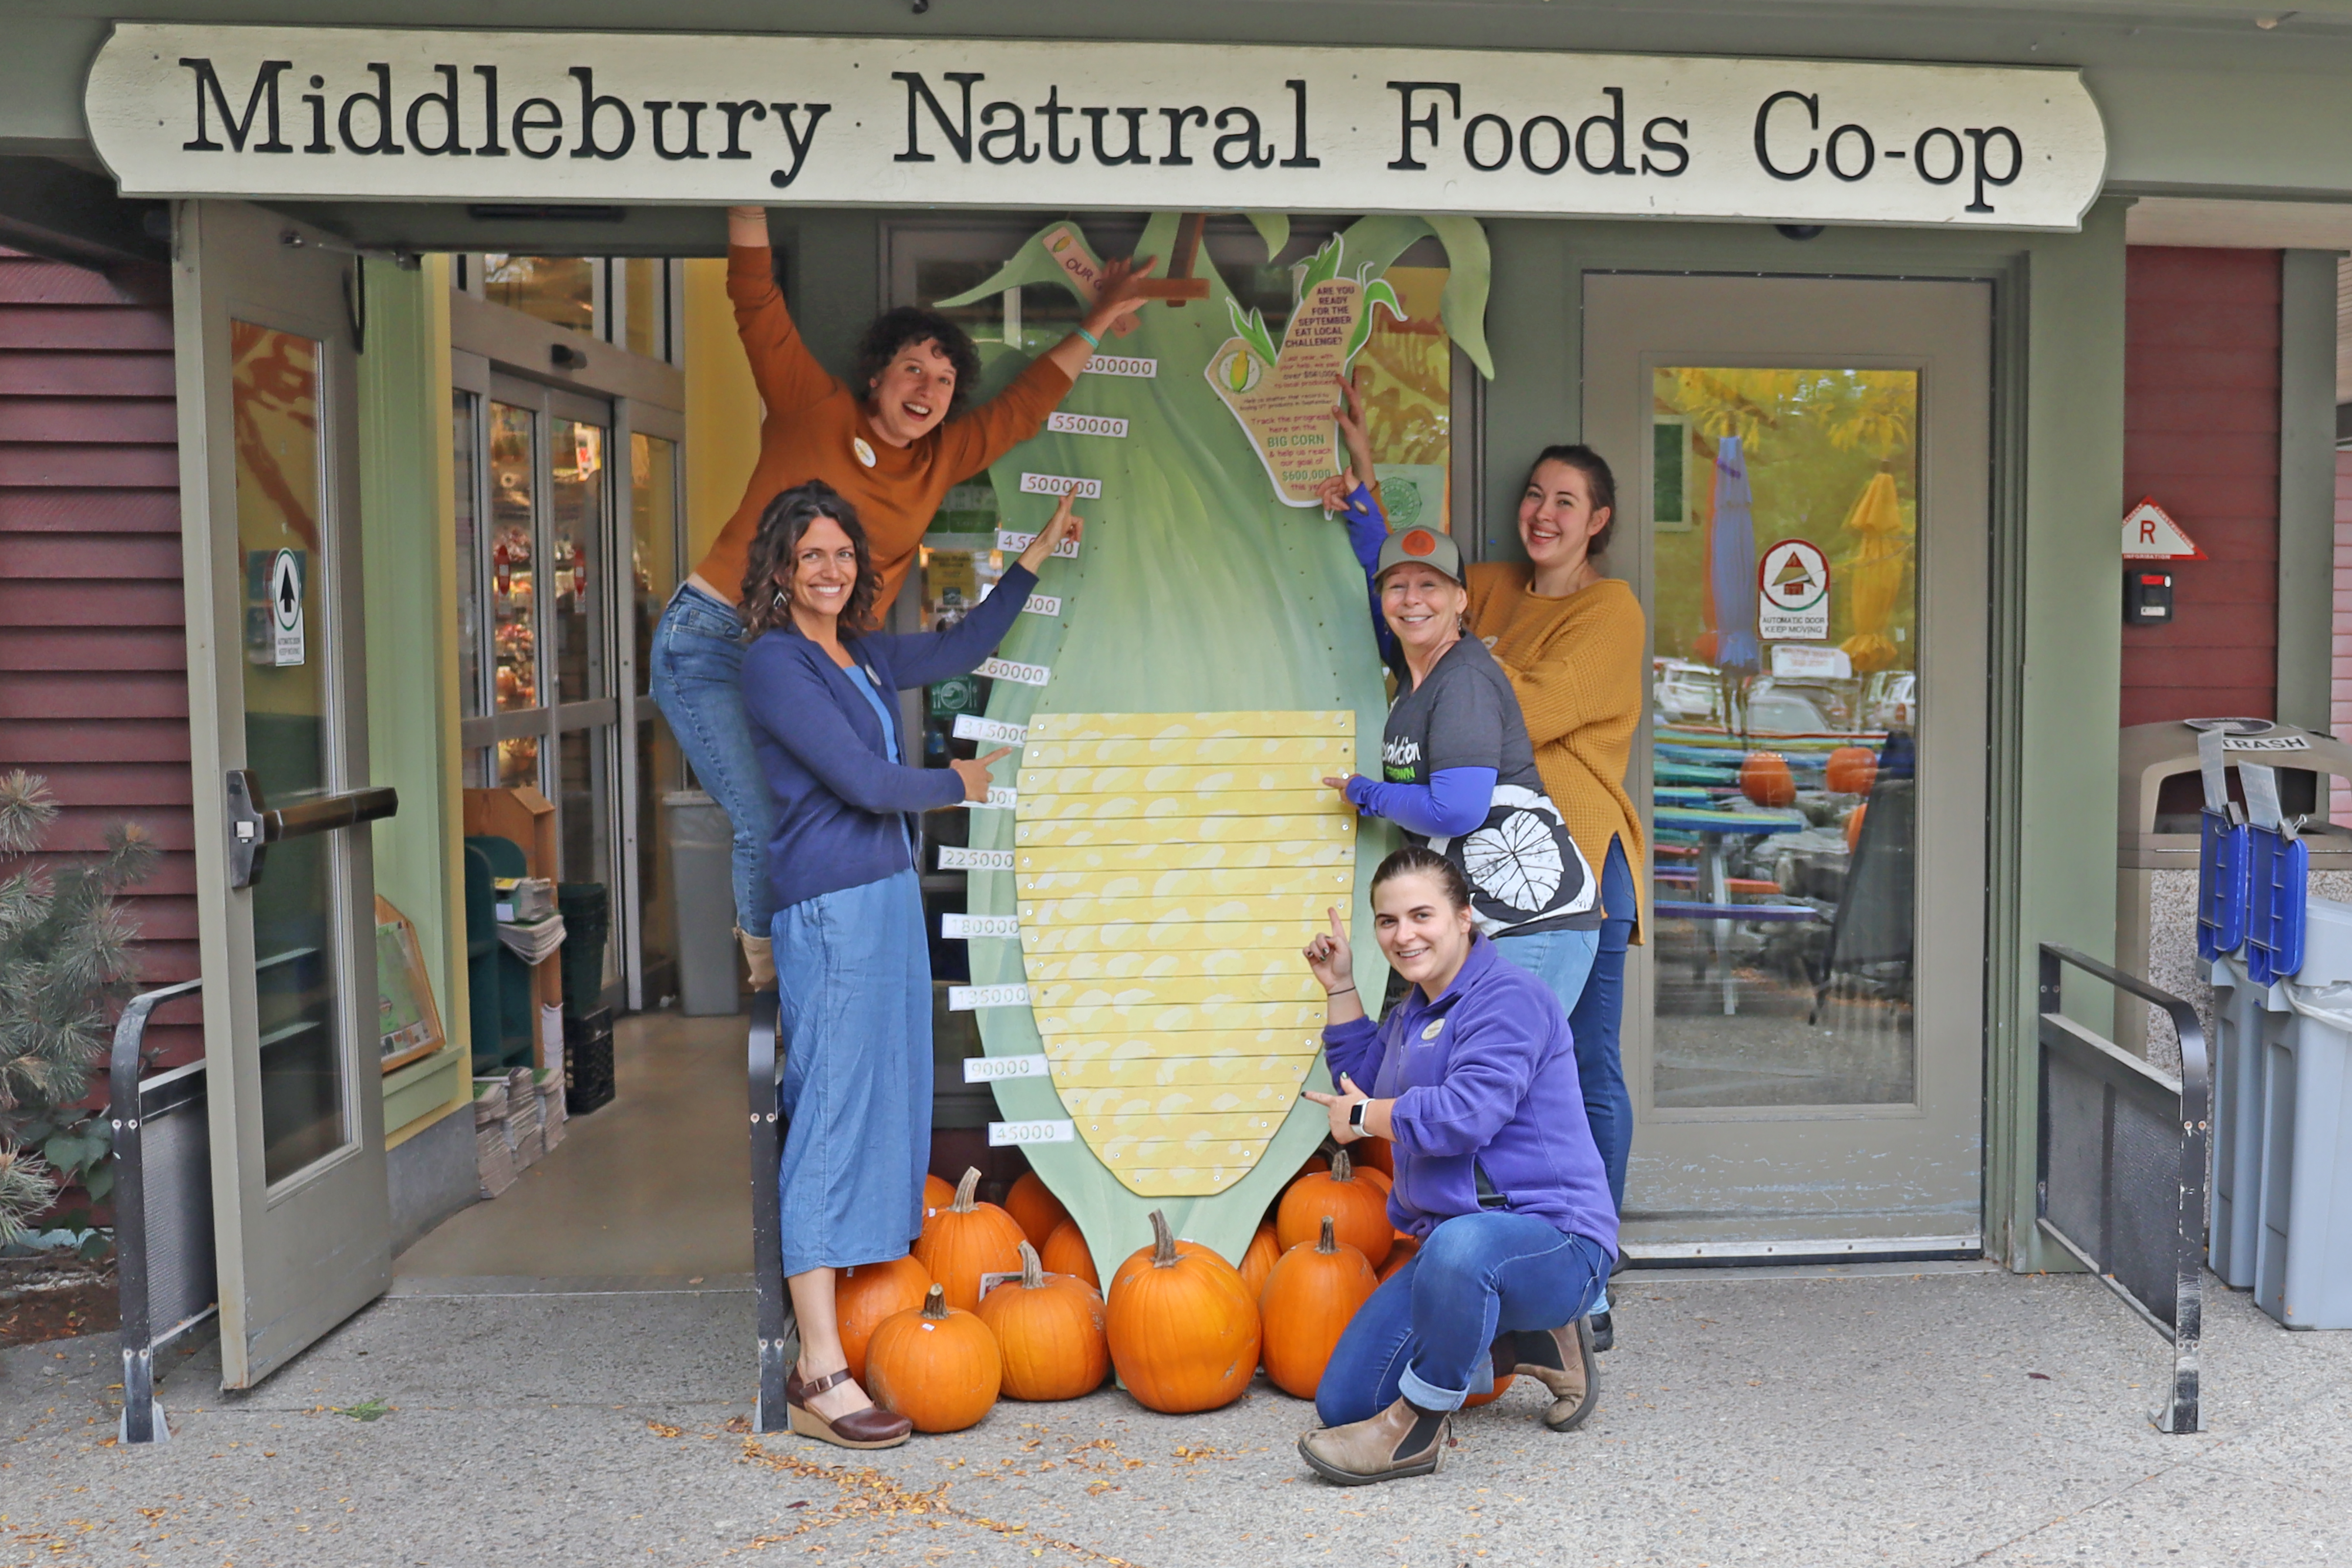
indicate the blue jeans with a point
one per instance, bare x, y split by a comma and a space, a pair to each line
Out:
1595, 1017
1424, 1334
697, 667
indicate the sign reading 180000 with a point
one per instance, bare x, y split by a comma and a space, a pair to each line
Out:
275, 111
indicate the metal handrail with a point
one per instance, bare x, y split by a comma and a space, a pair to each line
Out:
2186, 1102
254, 826
779, 1345
128, 1112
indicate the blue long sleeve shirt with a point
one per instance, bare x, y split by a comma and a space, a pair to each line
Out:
841, 803
1483, 1078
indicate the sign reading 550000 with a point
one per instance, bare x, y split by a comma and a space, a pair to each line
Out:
338, 112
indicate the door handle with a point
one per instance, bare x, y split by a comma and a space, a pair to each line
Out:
253, 827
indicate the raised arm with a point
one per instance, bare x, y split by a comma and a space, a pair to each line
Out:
787, 374
786, 696
921, 657
973, 441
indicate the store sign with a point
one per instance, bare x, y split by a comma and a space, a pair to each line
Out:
323, 112
1792, 592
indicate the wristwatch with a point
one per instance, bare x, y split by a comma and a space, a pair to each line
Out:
1356, 1115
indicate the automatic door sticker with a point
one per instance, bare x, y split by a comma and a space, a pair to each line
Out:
286, 642
1792, 592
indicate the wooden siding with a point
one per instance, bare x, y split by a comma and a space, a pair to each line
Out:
2339, 663
93, 657
2202, 436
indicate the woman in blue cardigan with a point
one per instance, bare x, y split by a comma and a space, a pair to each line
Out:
852, 965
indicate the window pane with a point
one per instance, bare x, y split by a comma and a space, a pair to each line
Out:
586, 783
514, 638
645, 306
274, 394
464, 440
583, 663
653, 551
561, 290
518, 765
1785, 701
658, 773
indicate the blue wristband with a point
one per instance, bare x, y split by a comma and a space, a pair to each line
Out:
1092, 341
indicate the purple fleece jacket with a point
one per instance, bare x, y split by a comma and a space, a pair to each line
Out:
1481, 1077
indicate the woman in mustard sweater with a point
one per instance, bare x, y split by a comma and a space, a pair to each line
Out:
1573, 641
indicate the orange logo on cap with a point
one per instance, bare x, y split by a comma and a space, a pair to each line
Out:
1418, 541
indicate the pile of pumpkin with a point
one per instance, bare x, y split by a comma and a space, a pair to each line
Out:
1185, 1329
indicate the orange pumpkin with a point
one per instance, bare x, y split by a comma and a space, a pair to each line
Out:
936, 1366
1035, 1208
1142, 1259
868, 1294
1502, 1386
966, 1239
1765, 778
1258, 1261
1358, 1208
1049, 1329
1400, 1255
1315, 1162
1374, 1155
1852, 769
1309, 1297
937, 1194
1066, 1252
1184, 1330
1853, 828
1377, 1177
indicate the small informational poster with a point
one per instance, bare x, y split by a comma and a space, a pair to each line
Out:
1799, 661
286, 639
1792, 593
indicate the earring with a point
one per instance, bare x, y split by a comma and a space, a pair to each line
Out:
781, 600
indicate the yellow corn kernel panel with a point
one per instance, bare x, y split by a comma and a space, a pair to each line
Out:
1169, 867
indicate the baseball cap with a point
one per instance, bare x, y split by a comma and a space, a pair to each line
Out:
1424, 546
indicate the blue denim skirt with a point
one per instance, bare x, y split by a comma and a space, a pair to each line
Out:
854, 983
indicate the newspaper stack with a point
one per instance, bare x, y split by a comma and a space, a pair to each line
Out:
523, 1132
523, 898
494, 1164
535, 942
552, 1111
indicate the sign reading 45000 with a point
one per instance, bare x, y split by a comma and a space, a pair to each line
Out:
329, 112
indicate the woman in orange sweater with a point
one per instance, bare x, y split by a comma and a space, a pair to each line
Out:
892, 441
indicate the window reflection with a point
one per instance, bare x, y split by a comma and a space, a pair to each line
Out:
560, 290
514, 626
463, 443
576, 468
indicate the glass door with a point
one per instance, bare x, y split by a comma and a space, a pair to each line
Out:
266, 385
1807, 500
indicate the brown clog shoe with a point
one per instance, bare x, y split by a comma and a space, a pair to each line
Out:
874, 1427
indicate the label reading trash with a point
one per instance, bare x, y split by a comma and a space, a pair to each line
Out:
989, 1069
1006, 670
1085, 423
995, 731
953, 857
967, 926
1060, 485
1001, 1134
970, 998
1014, 543
1118, 365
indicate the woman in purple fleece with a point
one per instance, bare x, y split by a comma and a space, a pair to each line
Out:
1474, 1083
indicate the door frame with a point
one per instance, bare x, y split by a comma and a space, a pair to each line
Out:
1652, 321
295, 1260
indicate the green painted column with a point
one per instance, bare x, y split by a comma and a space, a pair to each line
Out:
409, 595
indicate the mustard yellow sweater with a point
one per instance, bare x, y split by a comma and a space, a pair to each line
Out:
1576, 663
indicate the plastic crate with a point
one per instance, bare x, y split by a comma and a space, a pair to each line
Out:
2222, 857
587, 911
588, 1062
2278, 879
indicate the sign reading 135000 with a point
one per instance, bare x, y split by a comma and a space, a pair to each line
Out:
289, 111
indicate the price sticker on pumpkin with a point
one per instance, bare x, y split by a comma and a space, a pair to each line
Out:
1009, 1135
971, 999
989, 1068
964, 927
954, 857
994, 731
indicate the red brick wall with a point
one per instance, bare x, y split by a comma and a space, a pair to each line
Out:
94, 678
2202, 436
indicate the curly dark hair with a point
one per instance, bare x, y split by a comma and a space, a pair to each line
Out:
908, 325
768, 570
1598, 479
1421, 860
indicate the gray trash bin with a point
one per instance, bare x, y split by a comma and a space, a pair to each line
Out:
702, 857
2241, 1009
2302, 1247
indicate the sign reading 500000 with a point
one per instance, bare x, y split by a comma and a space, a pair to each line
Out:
325, 112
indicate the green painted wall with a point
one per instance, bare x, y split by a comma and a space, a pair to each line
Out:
410, 592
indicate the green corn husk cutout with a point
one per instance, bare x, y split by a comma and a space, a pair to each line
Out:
1196, 590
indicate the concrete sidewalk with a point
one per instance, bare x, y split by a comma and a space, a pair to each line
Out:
1808, 1418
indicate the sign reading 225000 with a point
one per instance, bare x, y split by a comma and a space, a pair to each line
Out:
329, 112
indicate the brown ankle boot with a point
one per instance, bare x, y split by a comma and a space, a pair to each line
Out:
1398, 1441
1562, 1360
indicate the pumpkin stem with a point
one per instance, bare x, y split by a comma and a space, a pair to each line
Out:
1163, 1242
935, 1304
966, 1189
1329, 1243
1342, 1167
1033, 1272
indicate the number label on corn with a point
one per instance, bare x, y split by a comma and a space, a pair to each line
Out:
1060, 485
956, 858
1042, 605
1000, 798
971, 999
1003, 1134
994, 731
1007, 670
1009, 540
1085, 424
1118, 365
989, 1069
964, 927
